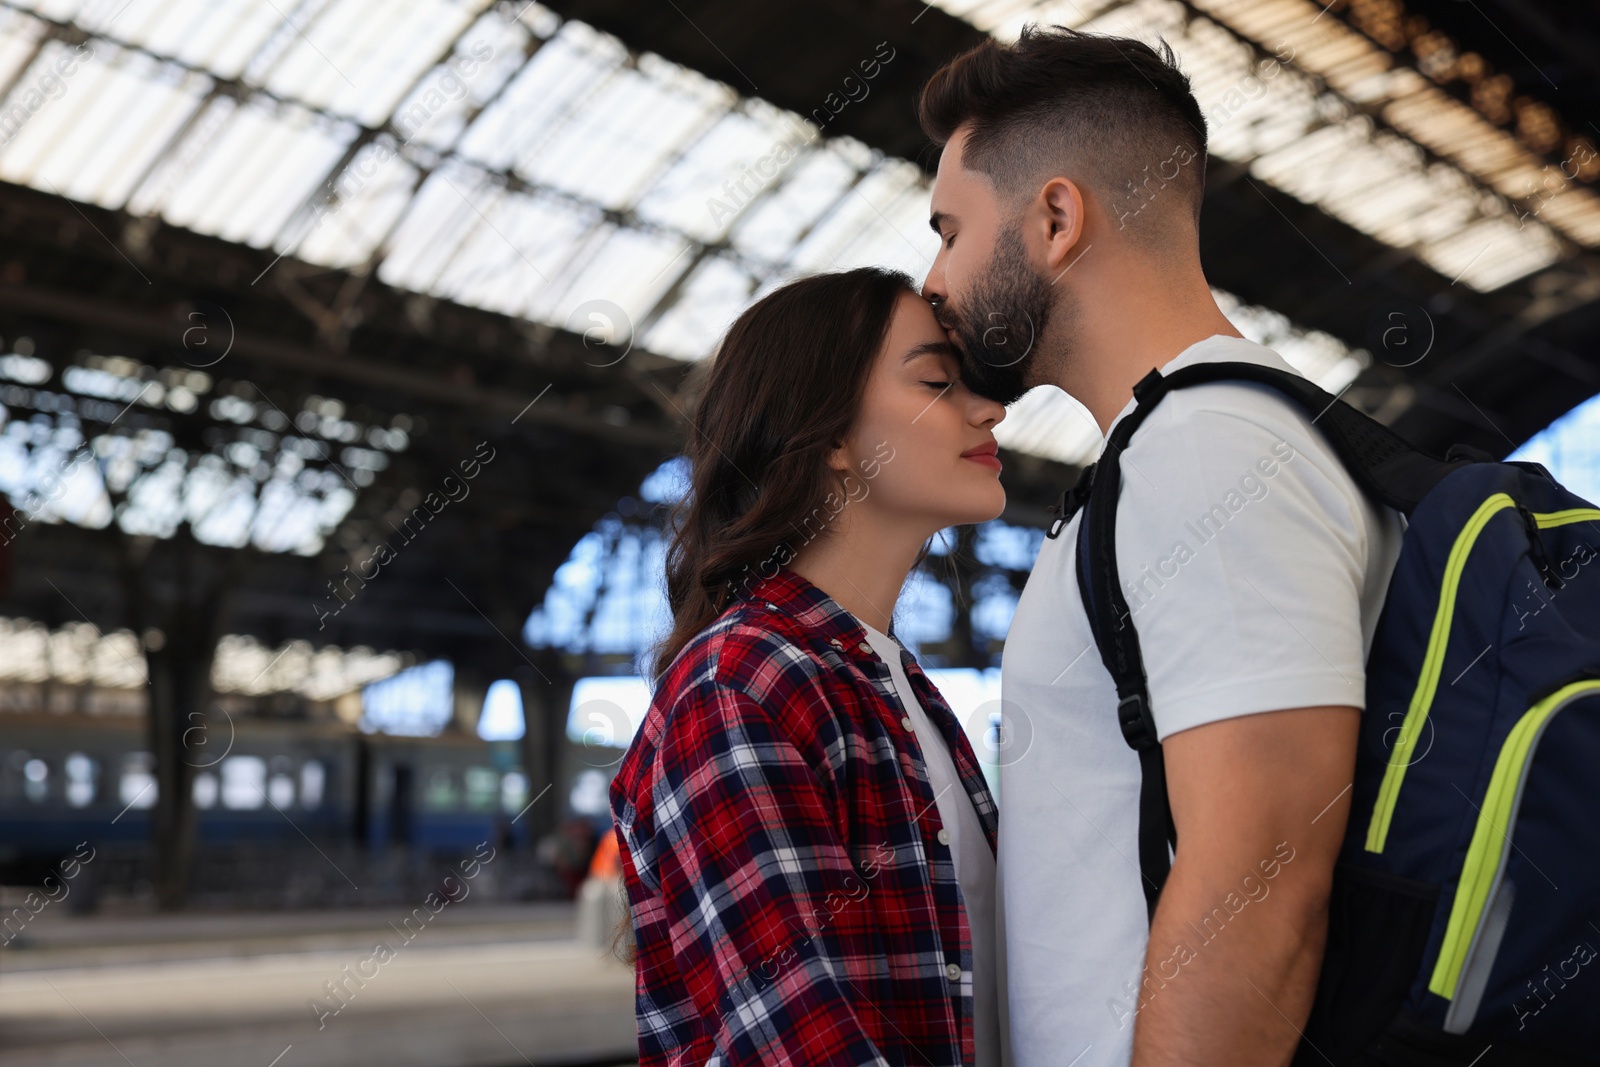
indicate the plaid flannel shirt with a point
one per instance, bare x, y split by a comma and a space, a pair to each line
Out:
791, 900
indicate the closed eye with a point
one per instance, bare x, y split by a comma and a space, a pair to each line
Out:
939, 385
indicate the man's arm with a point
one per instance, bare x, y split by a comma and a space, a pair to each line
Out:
1260, 804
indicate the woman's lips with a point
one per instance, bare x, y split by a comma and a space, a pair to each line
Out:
984, 455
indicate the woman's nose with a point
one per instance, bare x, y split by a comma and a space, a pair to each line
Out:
987, 412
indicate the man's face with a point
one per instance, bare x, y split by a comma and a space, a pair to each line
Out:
989, 298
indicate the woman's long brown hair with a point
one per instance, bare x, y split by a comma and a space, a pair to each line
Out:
780, 394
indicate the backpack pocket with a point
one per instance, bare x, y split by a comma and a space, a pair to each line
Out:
1378, 928
1518, 957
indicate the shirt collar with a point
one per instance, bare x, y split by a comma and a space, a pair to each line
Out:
823, 619
816, 612
1218, 348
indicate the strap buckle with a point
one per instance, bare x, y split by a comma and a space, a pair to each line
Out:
1138, 725
1460, 453
1071, 501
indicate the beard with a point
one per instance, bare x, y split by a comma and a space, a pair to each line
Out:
999, 327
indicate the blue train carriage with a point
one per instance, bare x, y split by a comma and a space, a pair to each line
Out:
445, 793
67, 780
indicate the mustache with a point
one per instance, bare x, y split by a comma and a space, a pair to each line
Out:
993, 340
951, 323
992, 351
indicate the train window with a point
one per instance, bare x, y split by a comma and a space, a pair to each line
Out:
482, 785
81, 773
513, 792
280, 783
312, 779
280, 791
441, 792
136, 788
136, 785
36, 780
244, 782
205, 790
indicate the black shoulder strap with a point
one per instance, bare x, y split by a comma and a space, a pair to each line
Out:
1386, 466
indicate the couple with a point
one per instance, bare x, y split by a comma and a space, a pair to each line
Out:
810, 852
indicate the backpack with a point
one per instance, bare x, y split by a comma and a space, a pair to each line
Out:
1465, 917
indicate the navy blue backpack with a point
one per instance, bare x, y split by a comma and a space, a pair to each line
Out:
1465, 919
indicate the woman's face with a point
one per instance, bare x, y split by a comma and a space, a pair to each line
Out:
922, 452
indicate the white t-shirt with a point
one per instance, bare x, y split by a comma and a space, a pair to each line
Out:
969, 848
1255, 570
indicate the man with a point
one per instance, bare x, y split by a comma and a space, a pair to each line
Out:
1067, 205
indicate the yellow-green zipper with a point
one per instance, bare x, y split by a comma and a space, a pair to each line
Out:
1433, 659
1432, 664
1547, 519
1491, 837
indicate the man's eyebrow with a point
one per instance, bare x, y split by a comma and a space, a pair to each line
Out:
931, 348
937, 220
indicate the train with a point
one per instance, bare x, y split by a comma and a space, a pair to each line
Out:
262, 788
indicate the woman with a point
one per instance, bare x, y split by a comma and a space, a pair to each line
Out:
807, 841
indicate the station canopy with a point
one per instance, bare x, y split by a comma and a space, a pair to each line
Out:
496, 155
504, 157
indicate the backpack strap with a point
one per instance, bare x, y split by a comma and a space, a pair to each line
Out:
1386, 467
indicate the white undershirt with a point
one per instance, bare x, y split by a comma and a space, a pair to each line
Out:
969, 850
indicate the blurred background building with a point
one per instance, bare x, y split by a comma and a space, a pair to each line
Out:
342, 345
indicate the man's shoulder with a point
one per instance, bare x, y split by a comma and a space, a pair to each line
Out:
1225, 422
1240, 399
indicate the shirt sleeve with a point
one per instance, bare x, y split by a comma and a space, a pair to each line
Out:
1243, 558
751, 868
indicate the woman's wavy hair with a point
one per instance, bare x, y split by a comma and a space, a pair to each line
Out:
781, 392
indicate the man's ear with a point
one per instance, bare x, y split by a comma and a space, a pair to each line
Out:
1062, 222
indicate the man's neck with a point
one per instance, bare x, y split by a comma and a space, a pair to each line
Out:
1139, 327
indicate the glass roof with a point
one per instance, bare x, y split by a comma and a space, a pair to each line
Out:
91, 443
1324, 113
483, 152
244, 665
78, 654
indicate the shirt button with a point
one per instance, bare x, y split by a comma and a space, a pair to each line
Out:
944, 837
906, 722
952, 971
864, 647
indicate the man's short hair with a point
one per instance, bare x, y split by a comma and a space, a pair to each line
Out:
1110, 112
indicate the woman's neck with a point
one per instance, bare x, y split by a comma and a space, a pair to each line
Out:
863, 572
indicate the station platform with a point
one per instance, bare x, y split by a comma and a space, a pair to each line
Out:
487, 986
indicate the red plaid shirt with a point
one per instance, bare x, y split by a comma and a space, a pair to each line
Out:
791, 900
